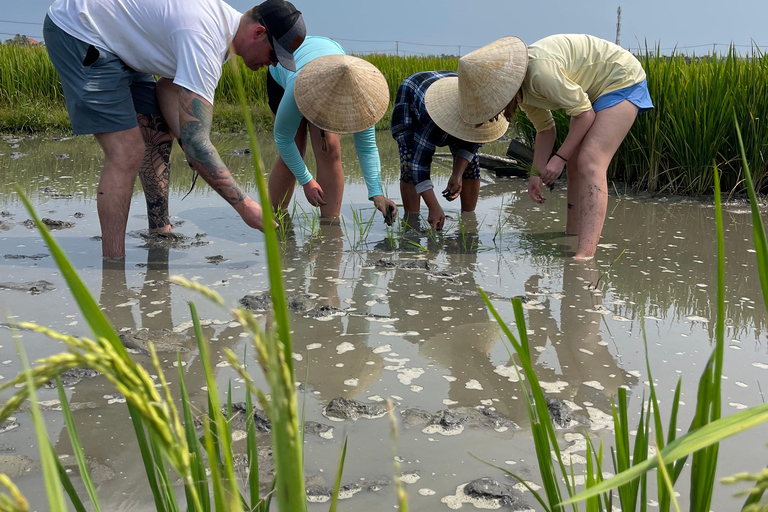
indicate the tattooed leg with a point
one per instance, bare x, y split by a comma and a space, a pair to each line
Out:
155, 170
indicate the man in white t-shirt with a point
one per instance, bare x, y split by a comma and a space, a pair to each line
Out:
106, 53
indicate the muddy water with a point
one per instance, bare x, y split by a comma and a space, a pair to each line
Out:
409, 325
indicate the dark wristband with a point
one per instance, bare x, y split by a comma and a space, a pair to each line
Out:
561, 157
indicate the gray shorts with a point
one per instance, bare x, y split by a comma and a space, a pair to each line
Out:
103, 95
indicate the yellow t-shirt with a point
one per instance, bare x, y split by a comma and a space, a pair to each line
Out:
570, 71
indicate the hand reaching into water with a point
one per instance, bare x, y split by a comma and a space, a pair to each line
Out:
387, 207
314, 193
534, 189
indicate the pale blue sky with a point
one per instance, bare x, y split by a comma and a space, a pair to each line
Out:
473, 23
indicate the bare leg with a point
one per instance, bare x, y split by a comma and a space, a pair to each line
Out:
470, 190
572, 194
597, 149
168, 99
121, 165
281, 179
330, 173
155, 170
411, 200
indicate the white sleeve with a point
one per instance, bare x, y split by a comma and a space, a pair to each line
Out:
197, 65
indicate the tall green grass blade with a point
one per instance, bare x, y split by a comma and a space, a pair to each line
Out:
704, 463
543, 431
402, 495
229, 400
216, 482
101, 328
339, 471
164, 479
47, 455
193, 445
669, 486
252, 452
77, 447
146, 458
703, 437
67, 484
287, 448
761, 244
221, 437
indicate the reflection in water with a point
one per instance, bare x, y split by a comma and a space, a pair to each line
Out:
103, 423
432, 344
573, 350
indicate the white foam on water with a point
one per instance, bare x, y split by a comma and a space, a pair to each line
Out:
473, 384
351, 382
410, 477
553, 387
344, 347
509, 372
406, 375
382, 349
599, 420
594, 384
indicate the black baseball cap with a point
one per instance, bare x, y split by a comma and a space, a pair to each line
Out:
285, 27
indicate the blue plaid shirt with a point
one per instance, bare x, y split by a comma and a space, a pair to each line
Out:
411, 126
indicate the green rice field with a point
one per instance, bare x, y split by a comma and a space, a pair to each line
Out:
671, 149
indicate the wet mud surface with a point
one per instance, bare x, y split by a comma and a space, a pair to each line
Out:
395, 318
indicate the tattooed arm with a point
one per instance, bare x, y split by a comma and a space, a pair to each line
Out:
195, 114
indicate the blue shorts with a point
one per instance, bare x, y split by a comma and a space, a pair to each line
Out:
636, 94
103, 95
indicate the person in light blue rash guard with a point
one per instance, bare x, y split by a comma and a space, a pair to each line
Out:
290, 133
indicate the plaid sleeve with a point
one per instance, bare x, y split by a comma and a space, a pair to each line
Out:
423, 150
464, 149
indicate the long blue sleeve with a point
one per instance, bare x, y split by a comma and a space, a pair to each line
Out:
287, 121
370, 162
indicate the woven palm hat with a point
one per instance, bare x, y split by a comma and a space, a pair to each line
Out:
442, 102
341, 93
489, 78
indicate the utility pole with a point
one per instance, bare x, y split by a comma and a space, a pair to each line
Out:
459, 51
397, 48
618, 26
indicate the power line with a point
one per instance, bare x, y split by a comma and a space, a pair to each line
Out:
21, 22
17, 34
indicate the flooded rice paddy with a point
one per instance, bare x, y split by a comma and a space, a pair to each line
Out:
384, 315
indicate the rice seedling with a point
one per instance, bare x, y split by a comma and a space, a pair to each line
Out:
358, 234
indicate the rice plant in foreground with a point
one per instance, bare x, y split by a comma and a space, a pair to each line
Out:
632, 464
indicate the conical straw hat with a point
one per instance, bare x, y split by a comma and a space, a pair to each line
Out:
341, 93
489, 78
442, 105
